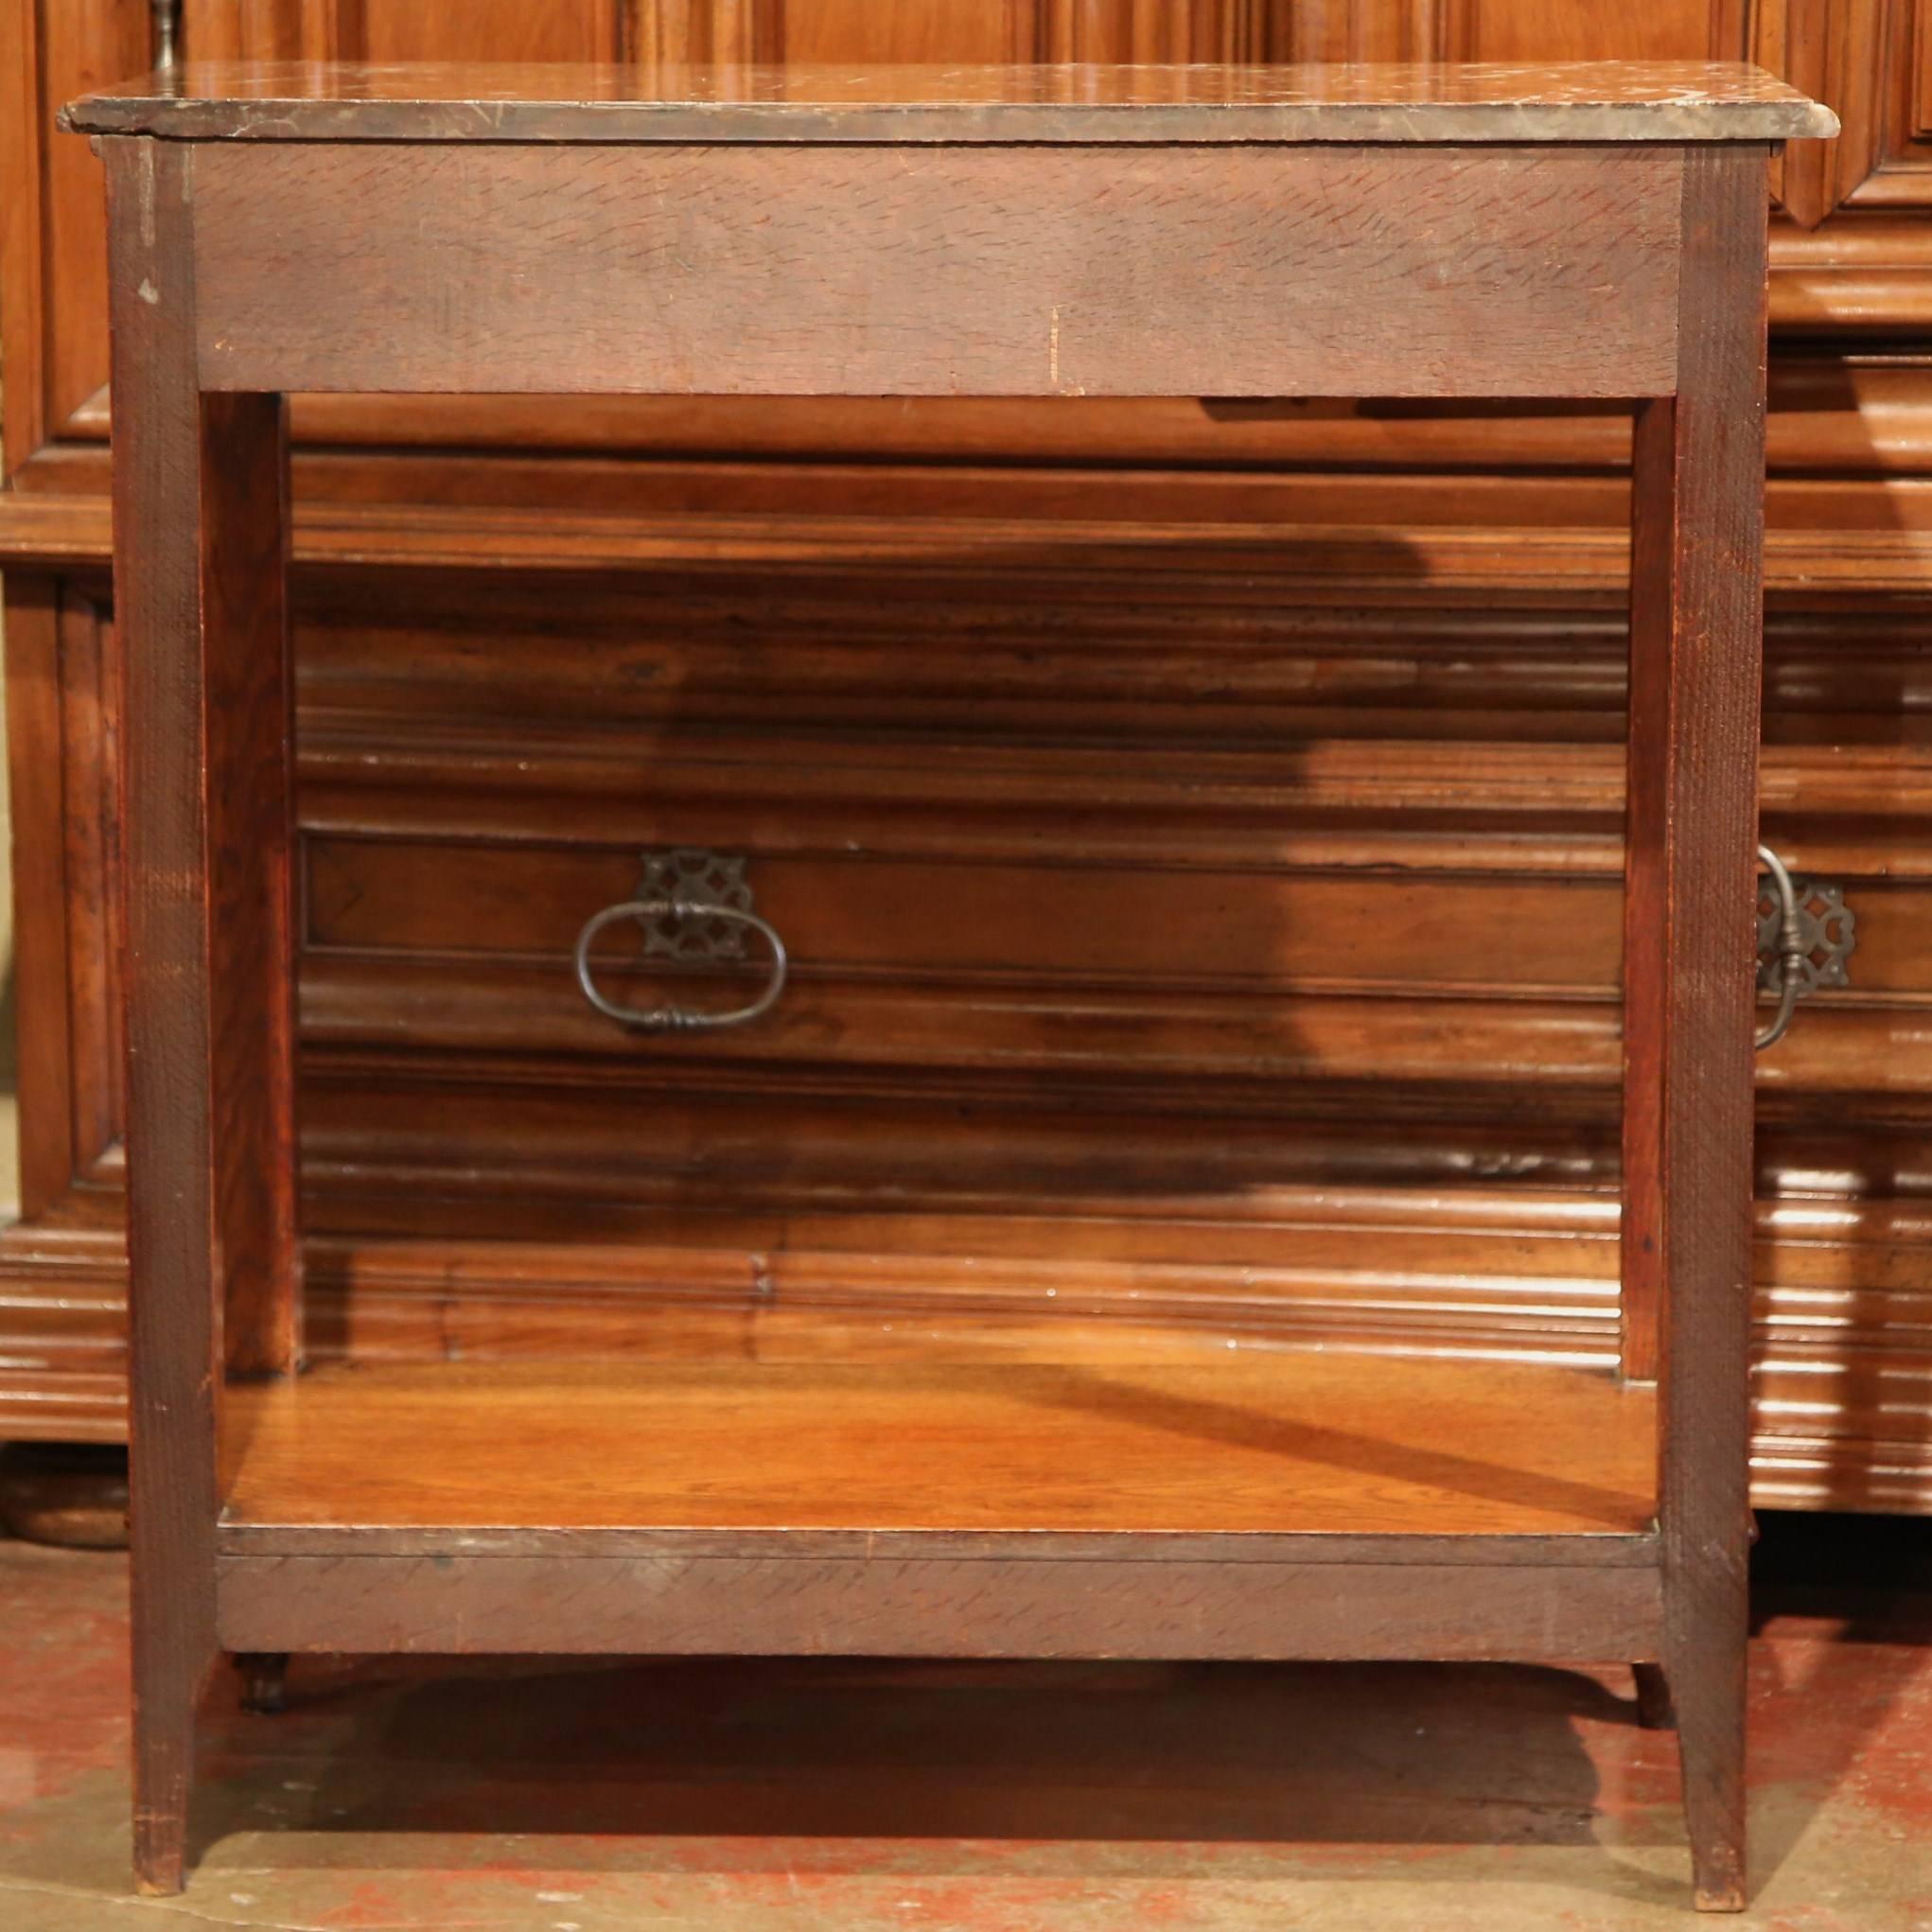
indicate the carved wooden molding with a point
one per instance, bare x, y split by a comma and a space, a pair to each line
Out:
1826, 1297
676, 33
658, 33
1871, 60
1149, 30
1870, 271
62, 673
1814, 564
1349, 30
1019, 31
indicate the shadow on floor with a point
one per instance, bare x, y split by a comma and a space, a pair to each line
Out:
1166, 1758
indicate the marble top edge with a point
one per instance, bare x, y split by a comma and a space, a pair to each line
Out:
1457, 101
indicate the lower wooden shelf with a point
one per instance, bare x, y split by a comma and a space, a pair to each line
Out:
1240, 1442
1229, 1503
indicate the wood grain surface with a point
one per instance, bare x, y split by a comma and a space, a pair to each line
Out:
202, 545
249, 735
174, 1231
1695, 654
1647, 911
44, 1057
936, 1606
1251, 1442
1233, 272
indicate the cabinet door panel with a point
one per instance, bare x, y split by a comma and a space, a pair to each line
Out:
909, 30
913, 32
1525, 30
382, 30
83, 44
1533, 30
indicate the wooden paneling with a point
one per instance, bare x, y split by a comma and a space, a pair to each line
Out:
936, 31
1532, 30
23, 266
944, 32
383, 30
44, 1071
1511, 30
936, 670
918, 32
1867, 53
61, 670
783, 706
1026, 921
78, 46
496, 29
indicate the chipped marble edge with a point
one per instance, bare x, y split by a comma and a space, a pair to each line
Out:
529, 122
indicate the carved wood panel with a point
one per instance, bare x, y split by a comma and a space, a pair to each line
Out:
1530, 31
936, 672
382, 30
803, 31
1873, 61
1865, 56
55, 248
61, 711
497, 29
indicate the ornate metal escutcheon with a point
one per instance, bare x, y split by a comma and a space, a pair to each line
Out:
693, 907
1805, 934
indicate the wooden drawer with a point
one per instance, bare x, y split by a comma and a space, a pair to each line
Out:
996, 914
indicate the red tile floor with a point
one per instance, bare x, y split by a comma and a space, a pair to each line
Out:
732, 1796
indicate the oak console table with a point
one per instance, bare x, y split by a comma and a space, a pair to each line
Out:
1586, 232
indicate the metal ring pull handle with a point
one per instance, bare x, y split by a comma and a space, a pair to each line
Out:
1792, 951
680, 1019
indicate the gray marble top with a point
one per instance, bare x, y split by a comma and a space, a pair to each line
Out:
1595, 101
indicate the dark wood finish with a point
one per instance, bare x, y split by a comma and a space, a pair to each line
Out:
1654, 1708
1695, 656
174, 1319
264, 1675
198, 512
249, 735
72, 1495
1035, 270
1125, 1460
1043, 1605
1643, 1256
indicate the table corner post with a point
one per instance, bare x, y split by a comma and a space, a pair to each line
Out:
199, 552
1695, 664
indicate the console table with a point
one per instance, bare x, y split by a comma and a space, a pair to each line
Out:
1579, 232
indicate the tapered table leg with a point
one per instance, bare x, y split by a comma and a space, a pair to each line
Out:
200, 536
1697, 620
